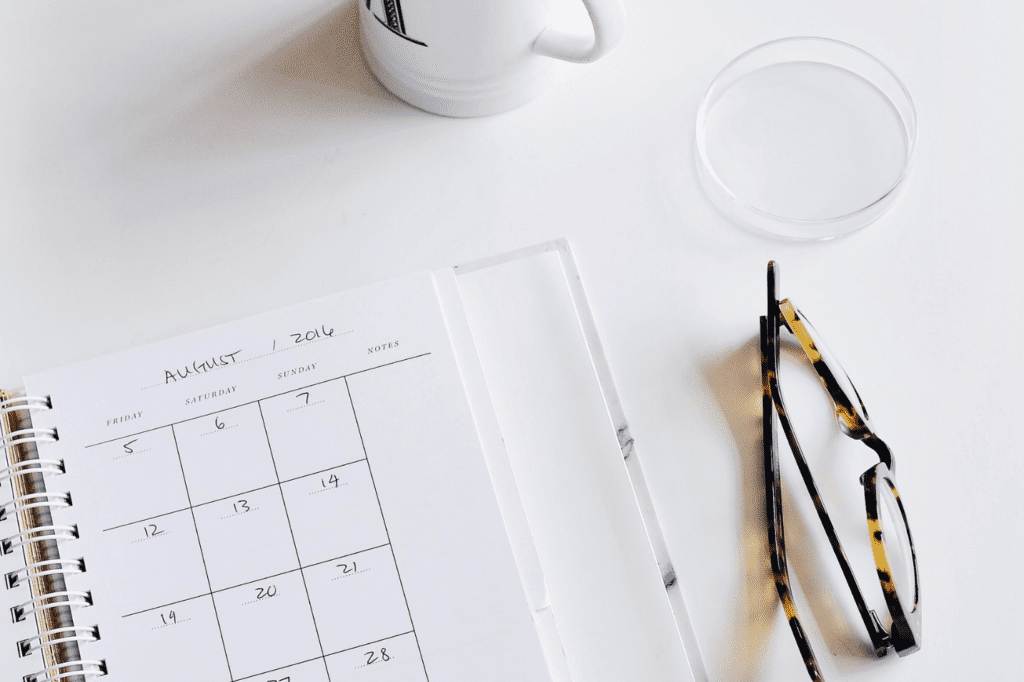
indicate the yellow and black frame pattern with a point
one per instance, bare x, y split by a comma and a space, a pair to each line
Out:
905, 635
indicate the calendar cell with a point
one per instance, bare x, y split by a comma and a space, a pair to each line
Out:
189, 626
246, 538
150, 462
312, 429
358, 599
224, 454
267, 625
335, 513
391, 660
167, 546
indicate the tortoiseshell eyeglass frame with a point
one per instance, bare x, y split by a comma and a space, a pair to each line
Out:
905, 609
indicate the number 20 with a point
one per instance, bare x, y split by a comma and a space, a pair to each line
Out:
266, 592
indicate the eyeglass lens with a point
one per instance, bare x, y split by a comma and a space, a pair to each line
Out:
832, 361
897, 545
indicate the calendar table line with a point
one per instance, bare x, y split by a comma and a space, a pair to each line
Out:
365, 644
230, 497
317, 658
252, 402
362, 442
291, 530
252, 582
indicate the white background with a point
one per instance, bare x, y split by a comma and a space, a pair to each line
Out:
168, 166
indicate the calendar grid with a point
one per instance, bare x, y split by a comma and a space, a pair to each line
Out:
249, 582
333, 653
362, 443
295, 544
274, 395
215, 581
228, 497
206, 569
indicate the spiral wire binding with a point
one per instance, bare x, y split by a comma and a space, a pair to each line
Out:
58, 672
48, 533
40, 568
28, 436
32, 466
35, 501
18, 403
68, 599
58, 634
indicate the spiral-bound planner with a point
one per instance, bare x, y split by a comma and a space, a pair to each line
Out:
322, 493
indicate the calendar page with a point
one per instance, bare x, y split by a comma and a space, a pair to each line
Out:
295, 497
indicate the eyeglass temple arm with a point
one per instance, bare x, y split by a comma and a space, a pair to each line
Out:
879, 638
773, 510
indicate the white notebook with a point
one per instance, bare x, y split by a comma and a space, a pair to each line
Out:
353, 488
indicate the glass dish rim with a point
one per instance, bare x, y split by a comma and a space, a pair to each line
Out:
708, 173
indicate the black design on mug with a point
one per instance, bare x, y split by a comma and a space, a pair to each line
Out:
393, 19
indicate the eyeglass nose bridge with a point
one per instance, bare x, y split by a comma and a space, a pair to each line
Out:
883, 451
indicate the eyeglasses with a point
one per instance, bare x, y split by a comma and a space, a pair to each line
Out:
891, 542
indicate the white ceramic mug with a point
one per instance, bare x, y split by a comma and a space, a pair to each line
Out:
474, 57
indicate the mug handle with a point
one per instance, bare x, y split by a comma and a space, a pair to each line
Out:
609, 24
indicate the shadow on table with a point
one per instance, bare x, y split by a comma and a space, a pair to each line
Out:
245, 127
299, 85
735, 380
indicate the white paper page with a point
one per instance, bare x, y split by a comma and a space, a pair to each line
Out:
520, 533
311, 504
606, 591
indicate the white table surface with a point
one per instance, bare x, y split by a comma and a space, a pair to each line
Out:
168, 166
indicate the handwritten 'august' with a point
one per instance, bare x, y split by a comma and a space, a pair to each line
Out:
200, 367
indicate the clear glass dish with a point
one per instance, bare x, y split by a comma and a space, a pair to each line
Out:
805, 138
